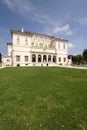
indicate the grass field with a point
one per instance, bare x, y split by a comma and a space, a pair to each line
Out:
43, 98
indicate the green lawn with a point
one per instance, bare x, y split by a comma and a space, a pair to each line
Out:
43, 98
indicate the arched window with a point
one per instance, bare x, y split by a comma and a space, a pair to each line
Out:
44, 58
39, 58
33, 58
54, 58
49, 58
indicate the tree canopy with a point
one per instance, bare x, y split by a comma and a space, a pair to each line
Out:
85, 55
80, 58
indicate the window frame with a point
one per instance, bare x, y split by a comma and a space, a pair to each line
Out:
18, 40
26, 41
17, 58
26, 58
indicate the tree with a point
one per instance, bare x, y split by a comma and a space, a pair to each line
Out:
77, 59
85, 55
70, 56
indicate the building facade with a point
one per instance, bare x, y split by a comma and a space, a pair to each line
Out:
34, 49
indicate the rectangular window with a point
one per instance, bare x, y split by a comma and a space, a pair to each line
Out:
64, 59
58, 45
63, 46
17, 58
59, 59
26, 41
26, 58
18, 40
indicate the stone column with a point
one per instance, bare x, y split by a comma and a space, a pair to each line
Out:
36, 58
57, 60
51, 59
42, 58
47, 58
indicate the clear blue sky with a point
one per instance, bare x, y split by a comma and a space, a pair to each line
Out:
55, 17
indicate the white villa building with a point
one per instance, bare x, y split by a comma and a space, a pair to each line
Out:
34, 49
